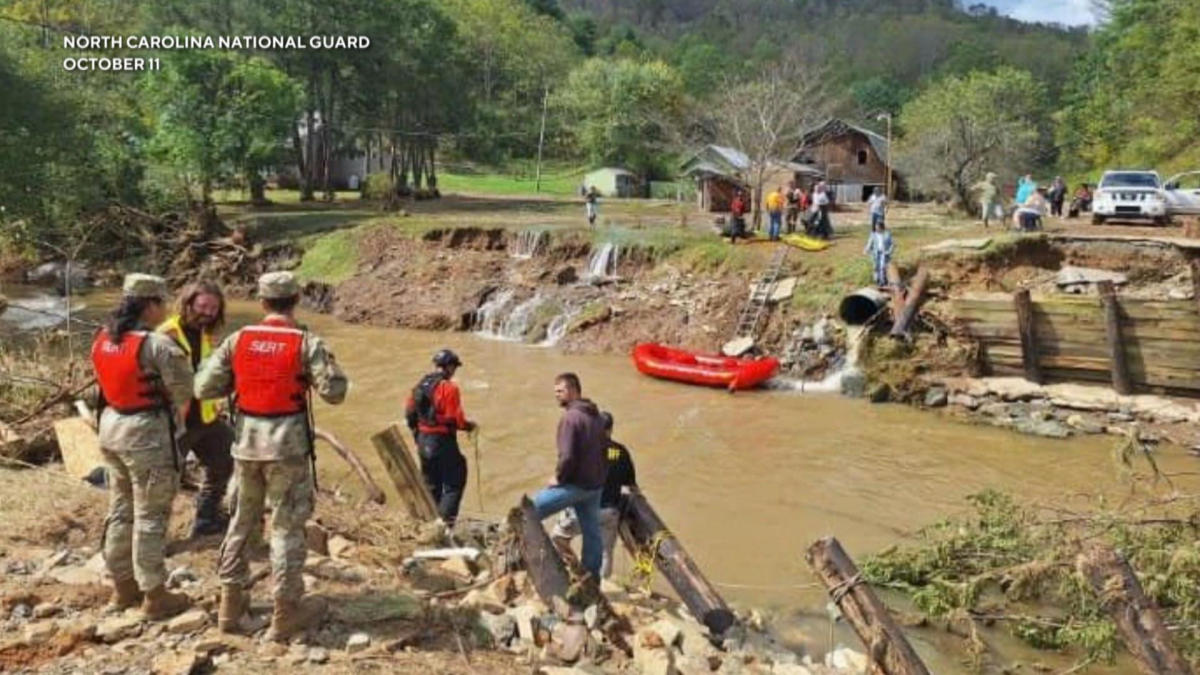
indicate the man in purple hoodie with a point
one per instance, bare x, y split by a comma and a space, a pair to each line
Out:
582, 468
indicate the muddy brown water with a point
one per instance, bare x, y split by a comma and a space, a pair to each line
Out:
745, 481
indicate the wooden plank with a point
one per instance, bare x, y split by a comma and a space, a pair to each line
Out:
888, 651
1138, 621
79, 445
641, 529
1029, 344
405, 475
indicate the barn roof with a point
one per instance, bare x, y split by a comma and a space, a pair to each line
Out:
834, 127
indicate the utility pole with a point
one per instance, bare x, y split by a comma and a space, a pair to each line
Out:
888, 159
541, 139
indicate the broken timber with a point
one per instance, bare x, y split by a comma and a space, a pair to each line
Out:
1137, 619
409, 482
887, 649
545, 566
1029, 357
79, 445
1112, 330
916, 295
642, 529
373, 492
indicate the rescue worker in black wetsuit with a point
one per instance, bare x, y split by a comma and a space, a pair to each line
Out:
435, 415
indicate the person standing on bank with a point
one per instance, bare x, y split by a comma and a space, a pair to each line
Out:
877, 207
270, 367
200, 315
775, 203
590, 201
435, 415
142, 378
880, 248
582, 468
621, 477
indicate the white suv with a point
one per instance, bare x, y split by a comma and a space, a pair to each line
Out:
1129, 195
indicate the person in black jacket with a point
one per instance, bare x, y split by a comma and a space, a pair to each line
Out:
621, 476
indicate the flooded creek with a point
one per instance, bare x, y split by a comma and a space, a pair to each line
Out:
745, 481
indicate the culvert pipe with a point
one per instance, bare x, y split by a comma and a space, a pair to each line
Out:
858, 307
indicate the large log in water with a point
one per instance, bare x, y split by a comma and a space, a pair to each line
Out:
642, 530
887, 648
1138, 621
1112, 330
542, 560
405, 475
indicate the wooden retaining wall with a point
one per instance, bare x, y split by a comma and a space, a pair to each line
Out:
1070, 339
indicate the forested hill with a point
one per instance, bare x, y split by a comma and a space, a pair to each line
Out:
881, 50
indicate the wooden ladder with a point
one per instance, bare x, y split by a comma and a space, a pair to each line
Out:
752, 312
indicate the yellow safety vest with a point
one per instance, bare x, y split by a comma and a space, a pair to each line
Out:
173, 329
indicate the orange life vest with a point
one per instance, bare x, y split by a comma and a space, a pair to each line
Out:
125, 386
268, 370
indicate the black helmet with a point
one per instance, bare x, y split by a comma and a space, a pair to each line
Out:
445, 357
607, 418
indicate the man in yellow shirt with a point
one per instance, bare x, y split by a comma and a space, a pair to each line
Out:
199, 318
775, 212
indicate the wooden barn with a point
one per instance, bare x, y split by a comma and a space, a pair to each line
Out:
719, 171
853, 159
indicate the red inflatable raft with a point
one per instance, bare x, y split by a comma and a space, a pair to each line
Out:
707, 369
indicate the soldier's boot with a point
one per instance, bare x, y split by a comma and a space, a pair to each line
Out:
234, 603
125, 594
209, 519
160, 603
294, 616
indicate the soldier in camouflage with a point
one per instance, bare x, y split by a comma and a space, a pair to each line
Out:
270, 368
143, 377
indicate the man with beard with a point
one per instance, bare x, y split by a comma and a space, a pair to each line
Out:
199, 317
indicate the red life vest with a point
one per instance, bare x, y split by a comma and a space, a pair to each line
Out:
268, 370
125, 386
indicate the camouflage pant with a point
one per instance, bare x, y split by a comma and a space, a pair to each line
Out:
287, 486
141, 487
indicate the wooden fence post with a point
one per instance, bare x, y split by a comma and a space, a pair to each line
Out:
1116, 346
1138, 621
887, 649
1029, 346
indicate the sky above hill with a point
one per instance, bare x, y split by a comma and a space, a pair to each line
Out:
1068, 12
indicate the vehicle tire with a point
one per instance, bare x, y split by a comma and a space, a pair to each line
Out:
1097, 220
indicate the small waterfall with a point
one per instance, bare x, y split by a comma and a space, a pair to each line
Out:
603, 263
832, 382
517, 322
528, 243
488, 316
558, 327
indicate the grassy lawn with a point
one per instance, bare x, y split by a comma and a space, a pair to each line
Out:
557, 181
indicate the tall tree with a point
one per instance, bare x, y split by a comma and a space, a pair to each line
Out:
624, 112
961, 127
766, 117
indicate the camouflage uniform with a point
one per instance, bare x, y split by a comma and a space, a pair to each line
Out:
273, 465
142, 469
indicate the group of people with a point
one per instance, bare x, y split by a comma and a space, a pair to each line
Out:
591, 474
785, 207
162, 381
1031, 202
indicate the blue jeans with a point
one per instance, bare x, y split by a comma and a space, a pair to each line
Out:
550, 500
876, 218
776, 222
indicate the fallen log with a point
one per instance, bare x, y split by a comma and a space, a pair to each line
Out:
409, 482
643, 531
1116, 347
887, 649
1029, 345
1137, 619
545, 566
913, 300
373, 492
